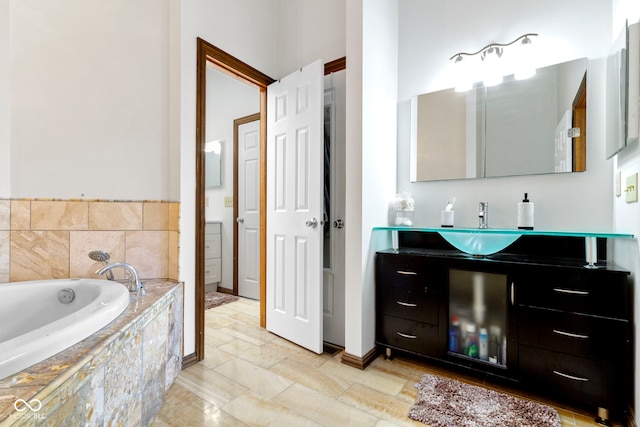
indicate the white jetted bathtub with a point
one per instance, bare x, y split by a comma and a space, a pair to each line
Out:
41, 318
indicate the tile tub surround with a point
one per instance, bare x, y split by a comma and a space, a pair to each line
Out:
118, 376
51, 239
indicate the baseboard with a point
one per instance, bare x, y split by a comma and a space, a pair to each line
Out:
189, 360
630, 417
359, 362
225, 290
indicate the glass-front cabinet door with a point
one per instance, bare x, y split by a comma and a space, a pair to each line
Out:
479, 312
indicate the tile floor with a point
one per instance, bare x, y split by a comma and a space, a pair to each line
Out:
250, 377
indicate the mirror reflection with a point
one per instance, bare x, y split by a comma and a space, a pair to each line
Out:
213, 161
520, 127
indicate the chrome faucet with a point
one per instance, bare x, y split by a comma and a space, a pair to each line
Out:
134, 280
483, 216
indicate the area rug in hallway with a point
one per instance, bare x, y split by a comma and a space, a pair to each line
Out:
445, 402
216, 299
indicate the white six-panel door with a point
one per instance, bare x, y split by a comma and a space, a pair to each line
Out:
248, 220
295, 206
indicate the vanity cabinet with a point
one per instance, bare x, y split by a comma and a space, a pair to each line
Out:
564, 330
408, 303
212, 256
575, 333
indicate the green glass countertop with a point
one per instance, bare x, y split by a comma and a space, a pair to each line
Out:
487, 241
512, 231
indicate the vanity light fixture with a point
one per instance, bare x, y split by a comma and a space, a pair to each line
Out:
493, 65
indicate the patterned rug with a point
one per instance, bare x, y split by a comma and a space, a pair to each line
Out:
216, 299
444, 402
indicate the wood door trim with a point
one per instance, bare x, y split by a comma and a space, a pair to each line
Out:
236, 124
579, 115
208, 53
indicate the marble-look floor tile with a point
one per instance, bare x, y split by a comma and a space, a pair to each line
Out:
248, 333
379, 404
315, 379
375, 380
260, 355
250, 377
322, 409
183, 408
259, 380
209, 385
255, 410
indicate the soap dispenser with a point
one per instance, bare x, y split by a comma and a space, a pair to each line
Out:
525, 214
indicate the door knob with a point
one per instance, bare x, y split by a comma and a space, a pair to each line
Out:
338, 223
313, 223
239, 220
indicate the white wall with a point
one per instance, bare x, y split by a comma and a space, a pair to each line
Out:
627, 215
90, 99
309, 30
5, 102
227, 99
431, 33
372, 46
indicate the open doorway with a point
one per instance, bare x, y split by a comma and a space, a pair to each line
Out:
209, 54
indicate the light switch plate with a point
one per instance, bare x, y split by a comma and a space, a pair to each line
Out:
228, 202
632, 188
618, 184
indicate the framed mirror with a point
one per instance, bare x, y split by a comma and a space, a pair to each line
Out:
520, 127
213, 162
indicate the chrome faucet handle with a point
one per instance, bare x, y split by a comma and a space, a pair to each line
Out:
483, 215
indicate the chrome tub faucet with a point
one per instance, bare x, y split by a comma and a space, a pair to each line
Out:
134, 280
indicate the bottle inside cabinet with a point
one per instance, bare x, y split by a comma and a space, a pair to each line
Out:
478, 316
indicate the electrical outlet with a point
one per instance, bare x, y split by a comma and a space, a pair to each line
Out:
228, 202
618, 184
632, 188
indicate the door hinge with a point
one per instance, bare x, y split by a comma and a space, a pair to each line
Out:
573, 133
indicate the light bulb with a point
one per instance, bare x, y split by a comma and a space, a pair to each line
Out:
462, 74
492, 73
524, 64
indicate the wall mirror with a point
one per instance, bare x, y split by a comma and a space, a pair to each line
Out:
213, 161
520, 127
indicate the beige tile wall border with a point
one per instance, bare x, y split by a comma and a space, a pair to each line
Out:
51, 239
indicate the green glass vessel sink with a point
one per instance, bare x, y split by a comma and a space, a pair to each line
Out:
479, 243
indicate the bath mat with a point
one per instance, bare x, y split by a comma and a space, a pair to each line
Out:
216, 299
445, 402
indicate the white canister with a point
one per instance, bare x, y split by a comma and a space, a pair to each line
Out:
525, 214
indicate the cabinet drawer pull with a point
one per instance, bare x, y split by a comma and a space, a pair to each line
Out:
513, 294
407, 273
571, 335
570, 291
407, 304
571, 377
411, 337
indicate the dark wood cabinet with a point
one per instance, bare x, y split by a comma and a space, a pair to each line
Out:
569, 328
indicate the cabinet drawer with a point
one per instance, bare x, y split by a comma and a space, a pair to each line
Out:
418, 303
584, 380
212, 270
212, 246
407, 271
408, 335
579, 335
598, 292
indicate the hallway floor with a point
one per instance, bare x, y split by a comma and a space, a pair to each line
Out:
254, 378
